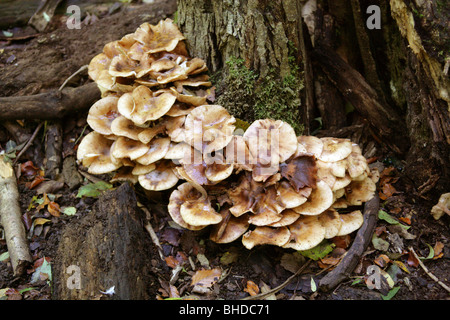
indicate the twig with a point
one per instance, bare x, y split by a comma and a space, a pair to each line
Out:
281, 286
90, 177
30, 141
153, 235
432, 276
72, 76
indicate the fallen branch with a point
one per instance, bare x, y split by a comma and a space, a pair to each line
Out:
432, 276
11, 220
54, 104
152, 233
29, 142
363, 237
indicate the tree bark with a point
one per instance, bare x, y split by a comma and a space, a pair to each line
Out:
109, 247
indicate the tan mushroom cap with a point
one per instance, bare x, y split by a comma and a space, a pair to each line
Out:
199, 212
141, 105
124, 174
267, 207
140, 169
288, 217
146, 135
290, 197
358, 192
356, 164
179, 72
175, 128
237, 153
229, 229
217, 172
102, 113
312, 144
306, 233
341, 183
271, 141
97, 65
266, 235
161, 178
157, 149
122, 66
350, 222
335, 149
94, 153
161, 37
330, 220
128, 148
183, 193
209, 128
124, 127
180, 109
321, 199
177, 150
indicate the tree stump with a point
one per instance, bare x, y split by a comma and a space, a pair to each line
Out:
106, 248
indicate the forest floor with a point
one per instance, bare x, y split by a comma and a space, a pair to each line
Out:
36, 62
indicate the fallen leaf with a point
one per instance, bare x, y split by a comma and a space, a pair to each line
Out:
319, 251
401, 265
36, 181
391, 293
40, 221
342, 241
28, 169
54, 209
379, 243
252, 288
292, 261
93, 190
206, 277
438, 252
412, 261
171, 261
42, 202
229, 257
382, 260
173, 292
69, 211
405, 220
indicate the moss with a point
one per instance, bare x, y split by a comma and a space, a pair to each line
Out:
249, 98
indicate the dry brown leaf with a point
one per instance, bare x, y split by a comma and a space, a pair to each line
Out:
206, 277
54, 209
438, 252
382, 260
252, 288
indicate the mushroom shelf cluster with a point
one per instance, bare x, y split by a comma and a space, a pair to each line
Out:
154, 126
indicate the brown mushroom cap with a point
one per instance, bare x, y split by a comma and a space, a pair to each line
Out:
209, 128
102, 113
237, 153
266, 208
288, 217
356, 164
290, 197
330, 220
183, 193
350, 222
270, 141
141, 105
157, 149
229, 229
97, 65
306, 233
124, 127
312, 144
161, 37
128, 148
161, 178
140, 169
335, 149
199, 212
321, 199
94, 152
358, 192
266, 235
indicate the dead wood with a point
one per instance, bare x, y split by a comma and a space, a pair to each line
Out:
384, 121
111, 249
363, 237
11, 220
53, 150
54, 104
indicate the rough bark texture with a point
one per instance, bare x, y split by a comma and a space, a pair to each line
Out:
111, 248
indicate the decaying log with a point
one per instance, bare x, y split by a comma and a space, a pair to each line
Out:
11, 220
53, 150
54, 104
106, 248
363, 237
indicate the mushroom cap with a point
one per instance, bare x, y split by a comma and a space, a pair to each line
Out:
356, 164
321, 199
350, 222
141, 105
306, 233
335, 149
288, 217
271, 141
140, 169
94, 152
244, 194
124, 174
266, 208
161, 37
358, 192
266, 235
199, 212
330, 220
124, 127
312, 144
97, 65
180, 109
128, 148
157, 149
237, 153
161, 178
209, 128
177, 150
147, 134
229, 229
184, 192
179, 71
217, 172
175, 128
102, 113
289, 196
341, 183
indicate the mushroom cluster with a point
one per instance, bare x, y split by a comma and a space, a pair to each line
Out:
148, 85
154, 126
